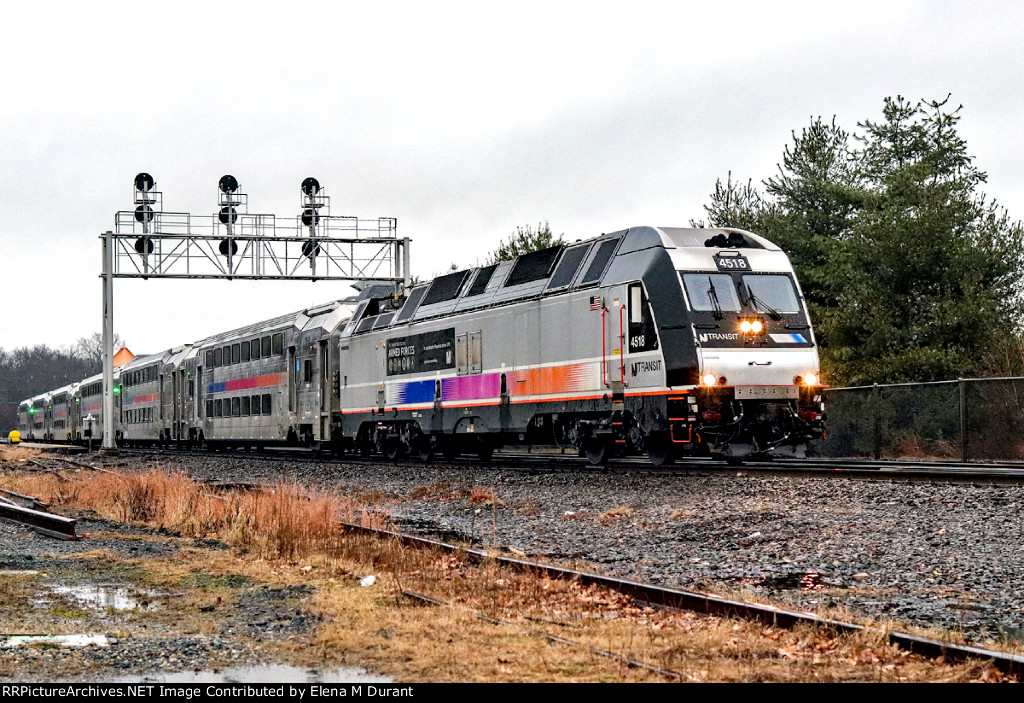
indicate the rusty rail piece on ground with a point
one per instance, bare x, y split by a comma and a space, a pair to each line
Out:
23, 500
42, 522
709, 604
632, 663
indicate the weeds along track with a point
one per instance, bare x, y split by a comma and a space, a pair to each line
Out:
705, 603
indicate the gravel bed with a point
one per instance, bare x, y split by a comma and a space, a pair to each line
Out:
948, 555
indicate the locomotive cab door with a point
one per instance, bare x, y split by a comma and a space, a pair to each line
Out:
324, 379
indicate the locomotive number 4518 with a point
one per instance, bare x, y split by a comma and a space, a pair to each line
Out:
732, 263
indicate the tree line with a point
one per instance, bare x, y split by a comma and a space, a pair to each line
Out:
28, 371
911, 273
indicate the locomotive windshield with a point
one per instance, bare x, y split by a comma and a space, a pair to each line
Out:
772, 293
711, 292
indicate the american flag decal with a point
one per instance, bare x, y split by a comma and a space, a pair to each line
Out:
596, 302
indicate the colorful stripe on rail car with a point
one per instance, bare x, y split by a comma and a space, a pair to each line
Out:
548, 380
241, 384
145, 398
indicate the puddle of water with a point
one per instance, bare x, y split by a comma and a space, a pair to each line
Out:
107, 597
265, 673
57, 640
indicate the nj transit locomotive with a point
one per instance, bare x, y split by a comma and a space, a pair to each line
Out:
657, 341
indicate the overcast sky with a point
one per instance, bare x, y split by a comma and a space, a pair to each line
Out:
462, 120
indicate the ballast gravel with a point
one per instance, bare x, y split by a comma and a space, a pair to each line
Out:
934, 554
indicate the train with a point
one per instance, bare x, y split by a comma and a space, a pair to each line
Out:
654, 341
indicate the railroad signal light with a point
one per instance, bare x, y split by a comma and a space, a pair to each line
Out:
310, 186
144, 182
228, 215
144, 245
228, 184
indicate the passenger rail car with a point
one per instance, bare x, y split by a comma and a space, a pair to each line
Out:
659, 341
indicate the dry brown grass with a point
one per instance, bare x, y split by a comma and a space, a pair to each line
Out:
481, 496
529, 508
285, 522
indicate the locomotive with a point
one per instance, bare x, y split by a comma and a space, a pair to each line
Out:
656, 341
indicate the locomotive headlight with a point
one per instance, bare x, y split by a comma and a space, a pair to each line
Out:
757, 326
811, 379
746, 326
709, 379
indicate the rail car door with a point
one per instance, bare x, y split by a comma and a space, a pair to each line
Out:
324, 381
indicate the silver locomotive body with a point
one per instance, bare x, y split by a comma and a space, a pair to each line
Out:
596, 345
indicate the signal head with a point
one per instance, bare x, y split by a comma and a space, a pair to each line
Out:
144, 182
310, 186
228, 184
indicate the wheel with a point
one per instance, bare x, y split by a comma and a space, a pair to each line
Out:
659, 448
392, 449
596, 450
425, 448
485, 450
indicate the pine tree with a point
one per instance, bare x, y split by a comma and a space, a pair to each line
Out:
525, 239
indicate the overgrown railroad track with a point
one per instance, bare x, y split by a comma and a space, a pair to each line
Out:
706, 603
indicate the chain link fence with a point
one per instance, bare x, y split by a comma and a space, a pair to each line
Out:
972, 419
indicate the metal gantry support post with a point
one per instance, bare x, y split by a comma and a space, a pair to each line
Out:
963, 419
108, 342
876, 422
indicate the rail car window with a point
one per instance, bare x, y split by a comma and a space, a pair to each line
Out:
411, 303
220, 408
445, 287
254, 347
278, 344
533, 266
307, 371
265, 347
226, 352
266, 403
245, 406
599, 262
483, 277
216, 357
236, 354
568, 266
705, 289
209, 358
255, 404
209, 408
245, 351
775, 292
236, 407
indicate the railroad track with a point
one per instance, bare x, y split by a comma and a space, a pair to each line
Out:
895, 470
706, 603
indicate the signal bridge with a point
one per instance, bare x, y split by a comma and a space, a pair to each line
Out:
235, 244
